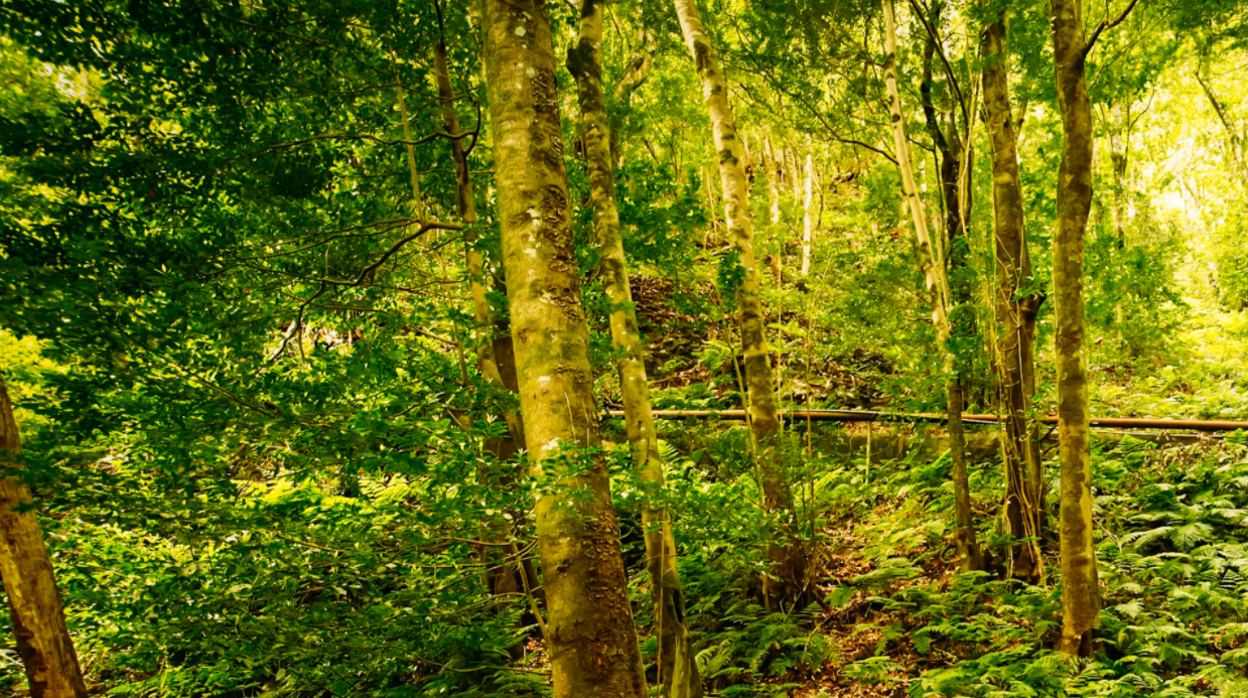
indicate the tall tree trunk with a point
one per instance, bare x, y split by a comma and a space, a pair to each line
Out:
1016, 312
788, 567
712, 236
933, 269
954, 184
795, 168
948, 147
1119, 159
593, 644
1080, 598
677, 670
808, 222
499, 578
773, 181
43, 641
773, 167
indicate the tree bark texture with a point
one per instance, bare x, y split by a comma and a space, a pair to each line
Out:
1080, 597
788, 566
39, 629
1016, 312
933, 268
593, 644
677, 670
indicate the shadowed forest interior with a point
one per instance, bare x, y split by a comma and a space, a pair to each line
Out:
610, 349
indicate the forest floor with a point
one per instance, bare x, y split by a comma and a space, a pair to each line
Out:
896, 618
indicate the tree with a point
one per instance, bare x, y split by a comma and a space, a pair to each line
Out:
1016, 306
43, 641
933, 268
788, 574
772, 171
1080, 595
678, 671
808, 223
593, 643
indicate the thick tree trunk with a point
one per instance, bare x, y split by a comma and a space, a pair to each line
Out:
677, 670
787, 580
1080, 597
593, 644
933, 269
39, 629
1016, 313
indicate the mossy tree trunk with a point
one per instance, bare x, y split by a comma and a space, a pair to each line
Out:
593, 644
1016, 308
1080, 597
787, 579
933, 268
677, 670
39, 629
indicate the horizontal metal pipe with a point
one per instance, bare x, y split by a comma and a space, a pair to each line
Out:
1209, 425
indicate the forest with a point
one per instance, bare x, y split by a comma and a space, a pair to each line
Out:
623, 348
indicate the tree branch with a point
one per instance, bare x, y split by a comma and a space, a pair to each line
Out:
940, 51
1106, 24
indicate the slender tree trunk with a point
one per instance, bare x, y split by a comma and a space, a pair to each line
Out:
772, 165
39, 629
1080, 597
499, 578
1235, 145
773, 181
808, 221
1119, 159
933, 269
795, 168
677, 670
593, 644
1016, 312
640, 64
713, 234
952, 158
953, 184
788, 567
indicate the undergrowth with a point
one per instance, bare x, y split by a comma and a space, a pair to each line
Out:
895, 618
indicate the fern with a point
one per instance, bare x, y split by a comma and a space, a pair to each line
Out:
714, 354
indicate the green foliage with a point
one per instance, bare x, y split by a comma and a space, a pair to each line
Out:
751, 644
261, 448
1134, 295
